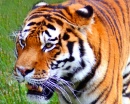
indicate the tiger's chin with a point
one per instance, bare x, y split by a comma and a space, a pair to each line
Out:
37, 99
39, 94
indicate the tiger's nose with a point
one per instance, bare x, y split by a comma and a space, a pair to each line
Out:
24, 71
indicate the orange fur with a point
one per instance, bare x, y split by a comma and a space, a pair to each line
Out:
107, 31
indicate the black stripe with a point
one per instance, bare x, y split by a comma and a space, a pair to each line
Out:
53, 39
67, 68
124, 89
60, 6
59, 43
31, 23
83, 83
126, 75
55, 66
51, 27
35, 16
63, 17
53, 7
37, 12
47, 33
102, 93
26, 30
48, 17
57, 53
68, 30
127, 95
67, 11
68, 76
66, 36
32, 31
38, 23
58, 21
82, 63
64, 98
70, 46
81, 49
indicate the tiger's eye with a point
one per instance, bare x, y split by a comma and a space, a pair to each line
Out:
48, 45
22, 42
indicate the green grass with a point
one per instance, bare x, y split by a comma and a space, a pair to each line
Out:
12, 14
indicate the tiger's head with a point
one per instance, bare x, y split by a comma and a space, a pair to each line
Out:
52, 48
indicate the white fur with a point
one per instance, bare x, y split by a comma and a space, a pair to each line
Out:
19, 76
83, 10
88, 28
37, 99
25, 34
127, 70
41, 4
60, 72
127, 79
89, 60
44, 38
126, 100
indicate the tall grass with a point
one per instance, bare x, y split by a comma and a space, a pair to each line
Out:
12, 14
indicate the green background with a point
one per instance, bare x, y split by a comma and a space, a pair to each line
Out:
12, 14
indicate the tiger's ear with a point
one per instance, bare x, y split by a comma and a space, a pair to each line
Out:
39, 5
85, 12
80, 15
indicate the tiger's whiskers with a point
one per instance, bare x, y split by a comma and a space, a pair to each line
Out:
62, 88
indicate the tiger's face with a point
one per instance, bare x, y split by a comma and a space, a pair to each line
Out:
52, 49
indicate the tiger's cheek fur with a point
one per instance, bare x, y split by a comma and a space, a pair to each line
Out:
32, 57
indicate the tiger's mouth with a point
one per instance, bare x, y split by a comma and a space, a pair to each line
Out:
40, 90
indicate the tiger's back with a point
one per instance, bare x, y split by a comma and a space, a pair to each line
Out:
84, 49
114, 44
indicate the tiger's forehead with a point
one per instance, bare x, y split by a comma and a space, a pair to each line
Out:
45, 24
42, 22
47, 33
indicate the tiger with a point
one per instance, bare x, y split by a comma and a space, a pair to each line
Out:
79, 49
